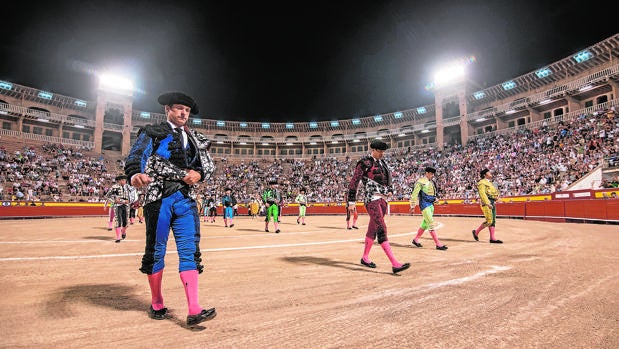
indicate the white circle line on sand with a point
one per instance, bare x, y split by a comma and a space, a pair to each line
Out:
59, 242
11, 259
431, 286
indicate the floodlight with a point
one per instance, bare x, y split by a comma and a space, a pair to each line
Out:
542, 73
583, 56
6, 85
45, 95
508, 85
449, 74
80, 103
115, 83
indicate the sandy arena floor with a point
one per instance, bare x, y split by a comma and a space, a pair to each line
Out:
66, 284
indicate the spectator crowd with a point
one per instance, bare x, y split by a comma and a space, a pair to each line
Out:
524, 162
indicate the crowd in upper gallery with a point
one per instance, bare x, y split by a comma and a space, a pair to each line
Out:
524, 162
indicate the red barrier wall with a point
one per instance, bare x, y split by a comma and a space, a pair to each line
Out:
54, 209
560, 210
552, 211
607, 210
612, 210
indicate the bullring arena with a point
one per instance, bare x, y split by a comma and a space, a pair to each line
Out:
550, 136
66, 284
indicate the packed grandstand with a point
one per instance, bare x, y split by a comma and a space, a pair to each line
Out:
540, 134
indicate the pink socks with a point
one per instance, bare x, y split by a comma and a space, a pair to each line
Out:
190, 282
154, 281
491, 229
368, 246
419, 233
435, 238
387, 248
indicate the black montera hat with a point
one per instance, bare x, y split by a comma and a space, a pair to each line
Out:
121, 176
430, 169
483, 172
226, 189
379, 145
170, 98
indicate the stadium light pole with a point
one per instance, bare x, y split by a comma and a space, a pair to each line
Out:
118, 90
449, 79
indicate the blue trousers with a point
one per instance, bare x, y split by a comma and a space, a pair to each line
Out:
180, 214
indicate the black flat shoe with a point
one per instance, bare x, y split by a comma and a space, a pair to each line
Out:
496, 241
403, 267
157, 314
355, 227
442, 248
417, 244
475, 235
204, 315
369, 265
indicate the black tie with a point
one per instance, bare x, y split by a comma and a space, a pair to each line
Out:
180, 131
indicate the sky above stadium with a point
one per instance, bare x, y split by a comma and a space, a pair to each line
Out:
297, 61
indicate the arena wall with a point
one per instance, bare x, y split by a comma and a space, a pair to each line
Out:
577, 206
